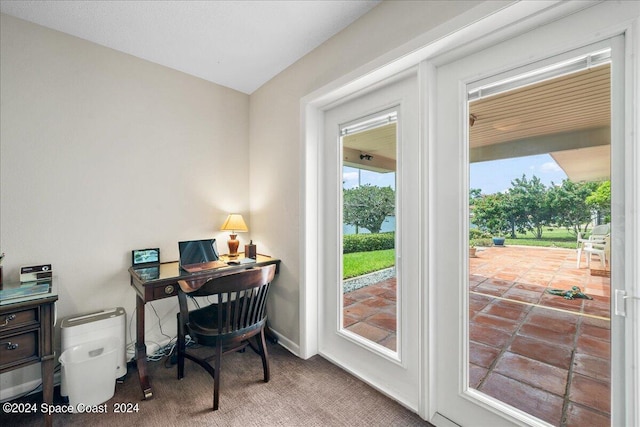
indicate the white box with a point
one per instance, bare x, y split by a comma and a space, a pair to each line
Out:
95, 326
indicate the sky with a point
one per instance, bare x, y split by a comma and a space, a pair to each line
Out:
350, 178
491, 177
496, 176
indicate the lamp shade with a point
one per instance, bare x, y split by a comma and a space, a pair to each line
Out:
234, 223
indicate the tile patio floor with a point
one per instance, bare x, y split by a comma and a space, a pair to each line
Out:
535, 351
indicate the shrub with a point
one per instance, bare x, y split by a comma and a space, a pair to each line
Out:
368, 242
480, 242
475, 233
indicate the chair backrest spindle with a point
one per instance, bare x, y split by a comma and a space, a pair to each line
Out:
242, 297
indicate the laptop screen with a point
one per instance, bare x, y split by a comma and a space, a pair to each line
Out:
197, 251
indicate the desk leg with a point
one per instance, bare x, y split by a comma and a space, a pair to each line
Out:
47, 362
141, 350
47, 387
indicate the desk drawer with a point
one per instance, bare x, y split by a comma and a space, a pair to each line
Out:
19, 348
165, 291
18, 319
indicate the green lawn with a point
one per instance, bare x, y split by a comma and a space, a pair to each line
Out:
554, 238
359, 263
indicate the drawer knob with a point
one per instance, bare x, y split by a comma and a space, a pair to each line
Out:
10, 345
168, 290
8, 319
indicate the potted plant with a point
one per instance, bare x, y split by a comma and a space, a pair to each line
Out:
480, 242
498, 240
498, 230
491, 213
472, 248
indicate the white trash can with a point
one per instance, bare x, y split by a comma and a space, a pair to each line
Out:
88, 371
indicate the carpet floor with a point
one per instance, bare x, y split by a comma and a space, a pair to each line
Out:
310, 392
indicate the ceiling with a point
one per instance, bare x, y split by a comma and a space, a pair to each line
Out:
372, 149
567, 117
568, 103
237, 44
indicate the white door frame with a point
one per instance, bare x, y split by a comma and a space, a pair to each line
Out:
480, 27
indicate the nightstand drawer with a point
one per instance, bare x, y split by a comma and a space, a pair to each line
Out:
18, 319
19, 348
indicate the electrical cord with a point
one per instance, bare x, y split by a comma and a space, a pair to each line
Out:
160, 323
163, 350
158, 354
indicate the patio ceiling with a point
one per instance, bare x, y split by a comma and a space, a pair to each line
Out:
372, 149
567, 117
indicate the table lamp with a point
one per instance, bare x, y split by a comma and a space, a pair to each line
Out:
234, 223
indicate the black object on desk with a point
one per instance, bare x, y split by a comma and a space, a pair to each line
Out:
164, 285
250, 250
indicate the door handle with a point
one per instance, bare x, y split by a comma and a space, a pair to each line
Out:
620, 301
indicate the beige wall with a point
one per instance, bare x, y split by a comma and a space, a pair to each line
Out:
276, 134
102, 153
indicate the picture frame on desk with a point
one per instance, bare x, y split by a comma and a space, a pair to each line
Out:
143, 257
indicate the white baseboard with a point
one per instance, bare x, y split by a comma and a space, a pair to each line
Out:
17, 390
29, 387
286, 343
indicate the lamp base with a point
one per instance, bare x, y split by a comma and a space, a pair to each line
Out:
233, 244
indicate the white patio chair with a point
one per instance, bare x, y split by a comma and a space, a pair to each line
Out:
597, 237
602, 249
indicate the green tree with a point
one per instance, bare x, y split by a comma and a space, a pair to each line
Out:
474, 193
530, 209
491, 213
367, 206
568, 204
600, 201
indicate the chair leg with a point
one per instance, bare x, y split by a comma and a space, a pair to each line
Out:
216, 376
579, 256
264, 355
181, 348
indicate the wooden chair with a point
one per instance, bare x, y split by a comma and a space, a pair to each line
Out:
236, 315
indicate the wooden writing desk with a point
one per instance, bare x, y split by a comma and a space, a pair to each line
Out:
153, 283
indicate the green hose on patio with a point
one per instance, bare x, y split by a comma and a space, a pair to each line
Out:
574, 292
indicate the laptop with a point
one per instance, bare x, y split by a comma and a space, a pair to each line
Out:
199, 255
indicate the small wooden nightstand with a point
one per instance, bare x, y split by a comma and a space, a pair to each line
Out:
26, 335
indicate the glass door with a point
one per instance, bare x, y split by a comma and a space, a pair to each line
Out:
540, 187
530, 155
369, 282
369, 300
